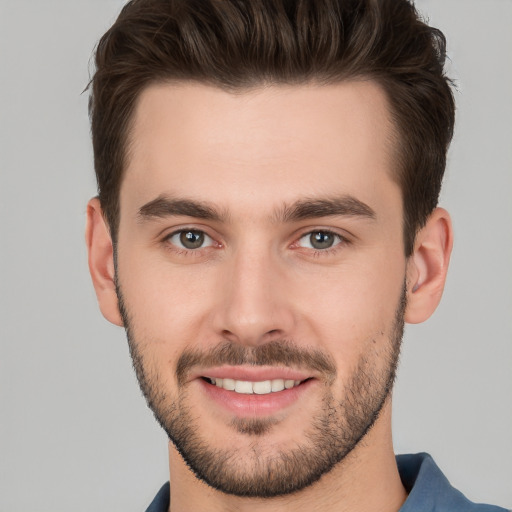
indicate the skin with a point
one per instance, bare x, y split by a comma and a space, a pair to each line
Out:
249, 155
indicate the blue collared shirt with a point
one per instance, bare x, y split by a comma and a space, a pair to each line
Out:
429, 490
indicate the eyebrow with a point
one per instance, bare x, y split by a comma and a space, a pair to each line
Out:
346, 205
308, 208
164, 206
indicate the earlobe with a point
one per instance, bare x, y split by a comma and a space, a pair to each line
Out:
427, 266
101, 262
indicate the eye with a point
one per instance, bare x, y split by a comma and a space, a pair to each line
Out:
320, 240
190, 239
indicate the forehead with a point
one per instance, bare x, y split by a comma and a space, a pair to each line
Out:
274, 143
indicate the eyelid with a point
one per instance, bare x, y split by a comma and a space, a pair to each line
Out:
167, 238
342, 241
325, 231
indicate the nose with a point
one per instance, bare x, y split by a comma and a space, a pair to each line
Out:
254, 304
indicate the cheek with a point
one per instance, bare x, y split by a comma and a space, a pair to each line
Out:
339, 308
352, 306
167, 306
166, 311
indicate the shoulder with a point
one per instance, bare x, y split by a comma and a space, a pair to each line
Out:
430, 490
161, 501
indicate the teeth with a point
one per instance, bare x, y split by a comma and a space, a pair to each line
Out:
259, 388
262, 388
242, 386
228, 384
277, 385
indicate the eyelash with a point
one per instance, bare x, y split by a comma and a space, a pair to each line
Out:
342, 241
182, 251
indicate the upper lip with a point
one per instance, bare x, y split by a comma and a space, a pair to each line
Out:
251, 373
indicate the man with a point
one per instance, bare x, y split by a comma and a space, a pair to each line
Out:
267, 220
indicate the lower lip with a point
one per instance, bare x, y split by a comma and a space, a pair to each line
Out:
255, 405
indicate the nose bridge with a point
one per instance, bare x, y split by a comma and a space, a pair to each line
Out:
254, 303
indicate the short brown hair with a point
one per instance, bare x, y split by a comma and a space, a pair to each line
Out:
237, 44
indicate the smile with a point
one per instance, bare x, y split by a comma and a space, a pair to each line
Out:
245, 387
259, 396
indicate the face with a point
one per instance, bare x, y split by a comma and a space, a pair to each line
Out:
260, 272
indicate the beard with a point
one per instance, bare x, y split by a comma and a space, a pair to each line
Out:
334, 431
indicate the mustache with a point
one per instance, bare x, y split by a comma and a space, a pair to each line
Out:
277, 352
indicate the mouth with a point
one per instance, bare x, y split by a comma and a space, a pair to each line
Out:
247, 387
248, 392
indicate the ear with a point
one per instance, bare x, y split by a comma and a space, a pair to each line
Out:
427, 266
101, 262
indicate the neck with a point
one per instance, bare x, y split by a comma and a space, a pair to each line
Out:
366, 480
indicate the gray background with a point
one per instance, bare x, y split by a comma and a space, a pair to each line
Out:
75, 433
